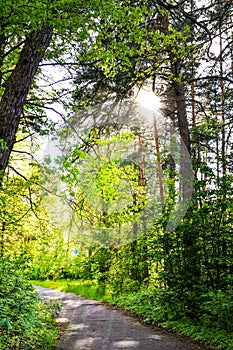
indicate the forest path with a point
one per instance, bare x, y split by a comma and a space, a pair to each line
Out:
96, 326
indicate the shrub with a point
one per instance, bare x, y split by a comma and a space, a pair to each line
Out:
25, 321
217, 309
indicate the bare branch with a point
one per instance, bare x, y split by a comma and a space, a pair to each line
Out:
211, 77
14, 48
18, 173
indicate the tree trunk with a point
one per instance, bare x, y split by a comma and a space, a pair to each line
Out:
160, 172
181, 109
178, 90
222, 97
16, 91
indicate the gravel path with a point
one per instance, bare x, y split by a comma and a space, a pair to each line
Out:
92, 325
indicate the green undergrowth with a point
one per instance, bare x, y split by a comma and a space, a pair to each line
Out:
26, 323
147, 304
85, 288
150, 306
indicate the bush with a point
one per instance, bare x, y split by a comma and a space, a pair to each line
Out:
217, 309
213, 327
25, 321
143, 303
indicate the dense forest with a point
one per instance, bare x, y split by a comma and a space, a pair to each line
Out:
116, 158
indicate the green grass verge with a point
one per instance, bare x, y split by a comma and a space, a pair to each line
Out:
87, 288
143, 303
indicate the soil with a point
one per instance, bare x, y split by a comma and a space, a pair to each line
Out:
93, 325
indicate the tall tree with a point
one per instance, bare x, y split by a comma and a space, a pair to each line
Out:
25, 35
17, 87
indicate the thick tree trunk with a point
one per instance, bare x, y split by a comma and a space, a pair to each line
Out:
222, 89
17, 88
178, 90
181, 106
181, 109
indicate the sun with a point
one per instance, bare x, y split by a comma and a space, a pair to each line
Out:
147, 99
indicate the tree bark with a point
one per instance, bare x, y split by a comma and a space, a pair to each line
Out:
16, 91
178, 90
160, 172
181, 106
222, 99
181, 109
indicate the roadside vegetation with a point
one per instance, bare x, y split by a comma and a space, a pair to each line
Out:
213, 326
26, 322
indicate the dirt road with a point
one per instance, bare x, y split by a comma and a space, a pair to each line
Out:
93, 325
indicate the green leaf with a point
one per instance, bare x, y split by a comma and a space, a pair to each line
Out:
6, 322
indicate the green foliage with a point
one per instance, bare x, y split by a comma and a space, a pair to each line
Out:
120, 45
25, 322
217, 309
156, 309
48, 258
218, 338
2, 144
86, 288
27, 237
126, 41
143, 303
128, 268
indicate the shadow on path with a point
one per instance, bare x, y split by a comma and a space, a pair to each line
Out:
95, 326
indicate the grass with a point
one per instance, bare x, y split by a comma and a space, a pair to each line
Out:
85, 288
143, 303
